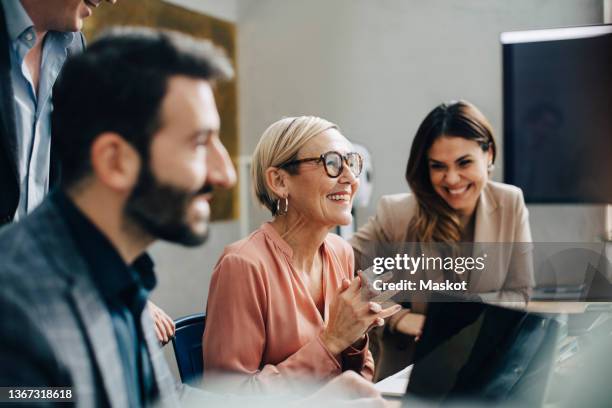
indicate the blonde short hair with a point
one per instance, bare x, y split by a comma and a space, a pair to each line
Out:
279, 144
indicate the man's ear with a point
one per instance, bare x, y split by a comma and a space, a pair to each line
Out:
115, 163
277, 181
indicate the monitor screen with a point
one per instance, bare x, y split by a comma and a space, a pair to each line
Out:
558, 114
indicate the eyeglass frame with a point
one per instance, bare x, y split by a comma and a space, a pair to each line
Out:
321, 158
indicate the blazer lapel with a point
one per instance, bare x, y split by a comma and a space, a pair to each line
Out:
486, 239
54, 237
486, 228
99, 328
164, 380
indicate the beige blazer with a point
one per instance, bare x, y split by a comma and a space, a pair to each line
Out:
501, 231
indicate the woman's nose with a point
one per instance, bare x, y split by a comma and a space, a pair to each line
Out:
347, 175
452, 177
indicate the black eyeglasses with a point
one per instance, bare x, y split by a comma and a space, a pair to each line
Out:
333, 163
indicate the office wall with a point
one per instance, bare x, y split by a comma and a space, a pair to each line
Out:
377, 67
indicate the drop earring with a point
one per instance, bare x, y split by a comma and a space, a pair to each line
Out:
279, 210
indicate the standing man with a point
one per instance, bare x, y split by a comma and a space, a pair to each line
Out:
36, 37
137, 129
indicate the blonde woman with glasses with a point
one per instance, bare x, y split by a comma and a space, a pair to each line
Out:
284, 304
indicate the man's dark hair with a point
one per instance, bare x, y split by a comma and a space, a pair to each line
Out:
117, 85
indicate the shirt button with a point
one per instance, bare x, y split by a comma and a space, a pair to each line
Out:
29, 36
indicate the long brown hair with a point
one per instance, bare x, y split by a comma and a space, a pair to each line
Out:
435, 220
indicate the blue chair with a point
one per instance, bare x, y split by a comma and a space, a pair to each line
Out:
187, 344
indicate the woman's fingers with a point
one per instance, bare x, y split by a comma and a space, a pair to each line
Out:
374, 307
353, 289
158, 333
411, 324
378, 321
390, 311
344, 285
366, 286
167, 322
164, 325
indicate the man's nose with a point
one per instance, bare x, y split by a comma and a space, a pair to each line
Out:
220, 170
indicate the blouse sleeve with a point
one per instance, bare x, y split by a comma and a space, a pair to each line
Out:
235, 335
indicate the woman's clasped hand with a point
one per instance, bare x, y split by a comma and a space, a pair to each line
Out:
351, 316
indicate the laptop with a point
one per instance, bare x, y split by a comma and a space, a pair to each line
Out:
482, 353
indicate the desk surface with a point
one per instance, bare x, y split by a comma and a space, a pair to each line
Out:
540, 306
395, 385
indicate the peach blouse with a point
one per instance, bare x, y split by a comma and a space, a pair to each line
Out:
261, 320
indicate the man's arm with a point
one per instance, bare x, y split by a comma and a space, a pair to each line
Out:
25, 355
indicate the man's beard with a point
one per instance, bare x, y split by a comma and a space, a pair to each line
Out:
161, 210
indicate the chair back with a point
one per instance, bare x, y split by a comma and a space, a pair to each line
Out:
187, 344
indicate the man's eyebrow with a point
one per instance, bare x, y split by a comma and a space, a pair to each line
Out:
207, 132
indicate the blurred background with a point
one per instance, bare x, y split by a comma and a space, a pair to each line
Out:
375, 68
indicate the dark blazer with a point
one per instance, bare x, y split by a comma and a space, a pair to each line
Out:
9, 178
55, 329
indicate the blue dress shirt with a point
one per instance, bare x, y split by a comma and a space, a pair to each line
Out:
32, 108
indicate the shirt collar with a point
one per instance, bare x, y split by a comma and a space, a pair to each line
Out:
65, 38
17, 19
18, 22
113, 277
280, 243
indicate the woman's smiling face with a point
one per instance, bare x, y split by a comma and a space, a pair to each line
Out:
316, 196
458, 171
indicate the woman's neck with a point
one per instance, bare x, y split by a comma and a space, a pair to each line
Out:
467, 222
304, 239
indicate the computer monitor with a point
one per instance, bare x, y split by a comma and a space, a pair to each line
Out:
557, 90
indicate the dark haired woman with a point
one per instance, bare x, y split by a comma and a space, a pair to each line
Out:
452, 202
